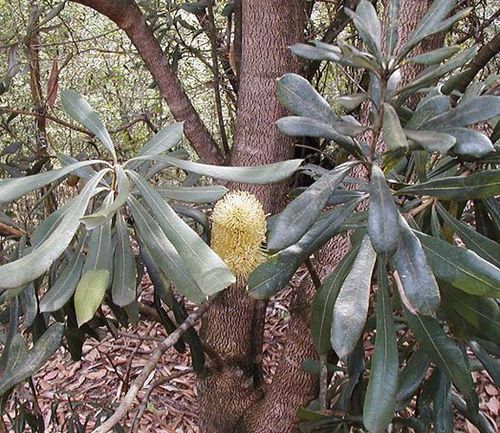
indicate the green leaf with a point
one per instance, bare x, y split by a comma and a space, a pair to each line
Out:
80, 110
27, 364
124, 271
274, 274
324, 301
65, 285
34, 264
443, 415
96, 273
442, 351
467, 113
295, 126
412, 375
104, 215
164, 253
477, 185
193, 194
434, 56
89, 294
351, 307
391, 33
469, 143
482, 245
11, 189
351, 102
482, 313
263, 174
491, 365
394, 135
427, 109
319, 52
383, 215
301, 213
210, 272
163, 140
431, 141
358, 58
368, 26
298, 95
380, 399
437, 12
418, 289
460, 267
433, 73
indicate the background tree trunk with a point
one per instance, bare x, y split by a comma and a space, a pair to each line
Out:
233, 327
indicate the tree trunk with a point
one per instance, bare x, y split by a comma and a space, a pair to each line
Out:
233, 327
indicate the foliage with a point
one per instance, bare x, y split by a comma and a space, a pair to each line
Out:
82, 253
419, 284
433, 179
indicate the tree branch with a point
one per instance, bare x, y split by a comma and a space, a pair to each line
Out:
483, 56
128, 17
334, 29
154, 358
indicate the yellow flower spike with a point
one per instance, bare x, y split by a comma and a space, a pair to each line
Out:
238, 231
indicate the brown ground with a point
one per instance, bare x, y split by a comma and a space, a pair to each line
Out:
68, 389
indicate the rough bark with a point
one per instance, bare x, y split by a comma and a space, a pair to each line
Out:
128, 17
233, 327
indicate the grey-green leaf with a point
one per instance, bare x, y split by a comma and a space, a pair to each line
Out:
34, 264
300, 214
193, 194
80, 110
394, 135
460, 267
29, 363
477, 185
467, 113
351, 102
10, 189
274, 274
296, 126
64, 287
164, 253
106, 213
380, 399
263, 174
324, 301
470, 144
443, 415
420, 291
482, 245
431, 141
351, 307
208, 269
434, 56
89, 294
441, 349
124, 270
383, 215
298, 95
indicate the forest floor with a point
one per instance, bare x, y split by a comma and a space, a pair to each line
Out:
69, 390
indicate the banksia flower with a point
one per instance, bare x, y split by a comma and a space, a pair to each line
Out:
238, 230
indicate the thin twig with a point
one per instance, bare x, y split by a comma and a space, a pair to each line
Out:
144, 404
314, 275
215, 71
150, 366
